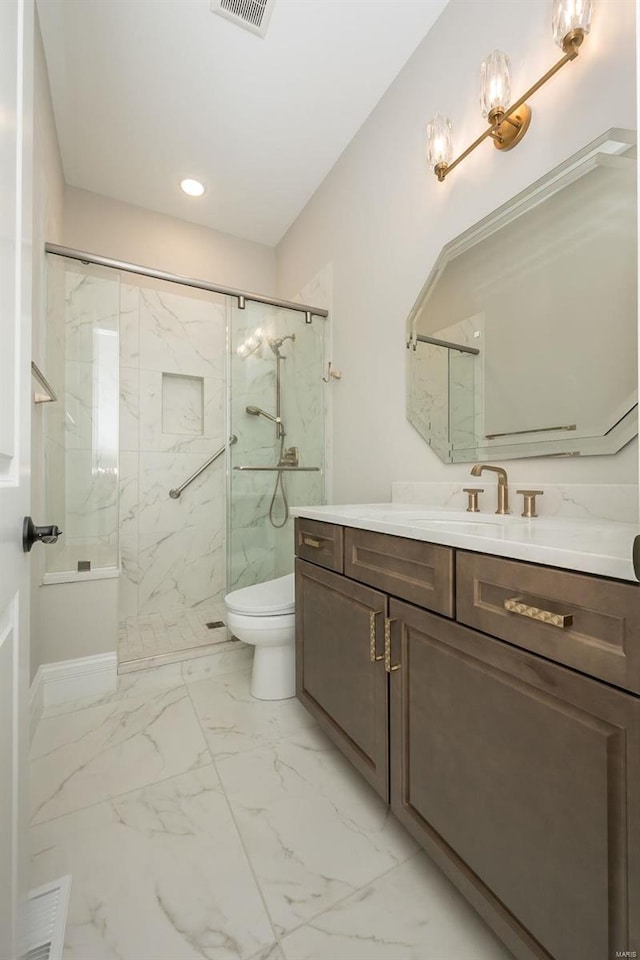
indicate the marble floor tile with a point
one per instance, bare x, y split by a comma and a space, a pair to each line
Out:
102, 751
270, 953
314, 831
138, 684
410, 913
234, 721
157, 874
237, 656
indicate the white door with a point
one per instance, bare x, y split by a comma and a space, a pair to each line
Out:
16, 73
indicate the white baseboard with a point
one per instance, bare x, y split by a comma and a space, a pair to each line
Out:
56, 683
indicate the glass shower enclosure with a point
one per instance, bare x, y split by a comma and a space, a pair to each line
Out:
189, 423
277, 417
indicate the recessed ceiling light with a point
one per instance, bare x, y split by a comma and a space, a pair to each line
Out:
192, 187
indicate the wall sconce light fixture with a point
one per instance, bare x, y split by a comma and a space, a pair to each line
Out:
571, 22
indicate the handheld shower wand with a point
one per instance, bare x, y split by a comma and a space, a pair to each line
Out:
259, 412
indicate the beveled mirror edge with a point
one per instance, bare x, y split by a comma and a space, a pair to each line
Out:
620, 140
614, 142
622, 433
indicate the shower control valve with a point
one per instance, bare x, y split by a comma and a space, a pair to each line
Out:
290, 458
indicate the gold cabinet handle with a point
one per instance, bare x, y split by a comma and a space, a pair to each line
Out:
373, 655
517, 605
312, 542
387, 645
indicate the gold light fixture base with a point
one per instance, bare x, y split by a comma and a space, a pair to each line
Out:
512, 129
440, 170
572, 42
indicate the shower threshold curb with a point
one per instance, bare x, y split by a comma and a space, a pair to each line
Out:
176, 656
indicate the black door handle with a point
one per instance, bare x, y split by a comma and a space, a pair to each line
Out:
32, 534
636, 557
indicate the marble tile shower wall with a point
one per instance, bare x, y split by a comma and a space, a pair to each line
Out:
81, 431
252, 548
305, 406
172, 551
258, 550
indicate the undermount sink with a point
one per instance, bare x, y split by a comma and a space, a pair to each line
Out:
454, 518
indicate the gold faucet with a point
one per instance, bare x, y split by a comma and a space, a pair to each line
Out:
503, 485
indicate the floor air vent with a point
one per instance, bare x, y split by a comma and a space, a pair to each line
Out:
253, 15
47, 908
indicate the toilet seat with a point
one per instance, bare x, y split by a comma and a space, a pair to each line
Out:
270, 599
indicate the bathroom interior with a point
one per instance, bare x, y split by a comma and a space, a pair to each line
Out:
334, 653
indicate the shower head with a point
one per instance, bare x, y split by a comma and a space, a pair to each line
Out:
259, 412
276, 342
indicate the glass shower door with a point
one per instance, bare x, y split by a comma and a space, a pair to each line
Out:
81, 427
277, 413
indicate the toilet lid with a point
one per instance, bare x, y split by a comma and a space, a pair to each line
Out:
264, 599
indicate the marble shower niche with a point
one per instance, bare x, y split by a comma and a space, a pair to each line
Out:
182, 404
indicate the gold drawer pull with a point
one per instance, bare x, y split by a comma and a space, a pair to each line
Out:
387, 646
312, 542
517, 605
373, 656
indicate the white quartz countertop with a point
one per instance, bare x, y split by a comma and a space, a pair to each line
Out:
602, 547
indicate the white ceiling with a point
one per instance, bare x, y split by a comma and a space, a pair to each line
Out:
147, 92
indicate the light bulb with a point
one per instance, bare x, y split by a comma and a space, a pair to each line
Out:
193, 188
439, 142
495, 84
571, 22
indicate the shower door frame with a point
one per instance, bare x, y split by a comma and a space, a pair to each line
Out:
242, 297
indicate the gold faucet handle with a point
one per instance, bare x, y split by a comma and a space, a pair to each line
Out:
472, 506
530, 502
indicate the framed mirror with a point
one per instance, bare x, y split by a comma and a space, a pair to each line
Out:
523, 341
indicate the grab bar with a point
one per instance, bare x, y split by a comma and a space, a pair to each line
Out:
281, 468
175, 493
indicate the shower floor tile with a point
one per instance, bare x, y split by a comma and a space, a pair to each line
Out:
158, 638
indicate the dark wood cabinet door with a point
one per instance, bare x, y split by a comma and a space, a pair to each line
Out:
340, 675
521, 779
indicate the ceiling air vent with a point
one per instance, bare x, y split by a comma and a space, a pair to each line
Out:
253, 15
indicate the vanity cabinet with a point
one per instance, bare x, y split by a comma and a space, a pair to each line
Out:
515, 775
519, 775
341, 678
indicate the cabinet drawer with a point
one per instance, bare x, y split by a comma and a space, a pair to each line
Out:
320, 543
411, 569
586, 622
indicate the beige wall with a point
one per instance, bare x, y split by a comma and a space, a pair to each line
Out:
48, 204
125, 232
380, 218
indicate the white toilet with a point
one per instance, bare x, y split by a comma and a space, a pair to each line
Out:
264, 616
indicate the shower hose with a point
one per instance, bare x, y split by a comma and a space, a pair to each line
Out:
283, 494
